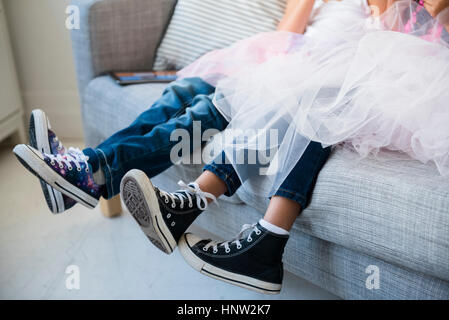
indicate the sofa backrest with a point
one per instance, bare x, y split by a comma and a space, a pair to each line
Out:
125, 34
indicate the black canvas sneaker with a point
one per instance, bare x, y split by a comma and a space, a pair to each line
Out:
253, 262
162, 216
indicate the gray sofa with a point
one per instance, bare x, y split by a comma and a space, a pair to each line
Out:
365, 216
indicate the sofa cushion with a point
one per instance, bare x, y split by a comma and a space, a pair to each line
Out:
110, 107
396, 211
199, 26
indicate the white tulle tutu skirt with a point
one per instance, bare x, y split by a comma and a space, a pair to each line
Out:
386, 88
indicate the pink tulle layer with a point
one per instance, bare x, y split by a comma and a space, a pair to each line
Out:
244, 54
386, 87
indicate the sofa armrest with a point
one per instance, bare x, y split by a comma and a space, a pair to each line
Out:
117, 35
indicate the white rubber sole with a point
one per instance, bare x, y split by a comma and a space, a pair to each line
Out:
34, 162
138, 195
219, 274
41, 127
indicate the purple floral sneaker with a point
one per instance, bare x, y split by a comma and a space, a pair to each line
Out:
45, 140
69, 173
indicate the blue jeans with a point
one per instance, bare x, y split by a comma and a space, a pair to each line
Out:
299, 184
146, 144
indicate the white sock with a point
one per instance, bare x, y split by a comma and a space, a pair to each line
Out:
99, 177
272, 228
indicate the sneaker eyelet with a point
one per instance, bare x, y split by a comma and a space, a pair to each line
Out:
59, 148
173, 205
239, 246
70, 168
182, 206
87, 169
166, 201
258, 232
190, 205
215, 251
168, 216
61, 166
228, 250
78, 169
173, 224
52, 163
249, 239
204, 249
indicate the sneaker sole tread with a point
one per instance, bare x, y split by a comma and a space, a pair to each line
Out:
138, 195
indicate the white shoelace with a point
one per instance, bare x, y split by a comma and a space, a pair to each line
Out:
73, 155
189, 190
236, 240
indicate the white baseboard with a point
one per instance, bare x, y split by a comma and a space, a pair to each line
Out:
62, 107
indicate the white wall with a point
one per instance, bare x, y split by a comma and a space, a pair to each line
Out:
43, 55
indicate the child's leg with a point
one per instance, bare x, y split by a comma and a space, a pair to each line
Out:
173, 102
253, 260
151, 152
129, 149
282, 212
295, 192
145, 144
219, 177
209, 182
175, 99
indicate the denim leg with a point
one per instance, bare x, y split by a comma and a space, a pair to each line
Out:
146, 144
176, 97
226, 173
299, 184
